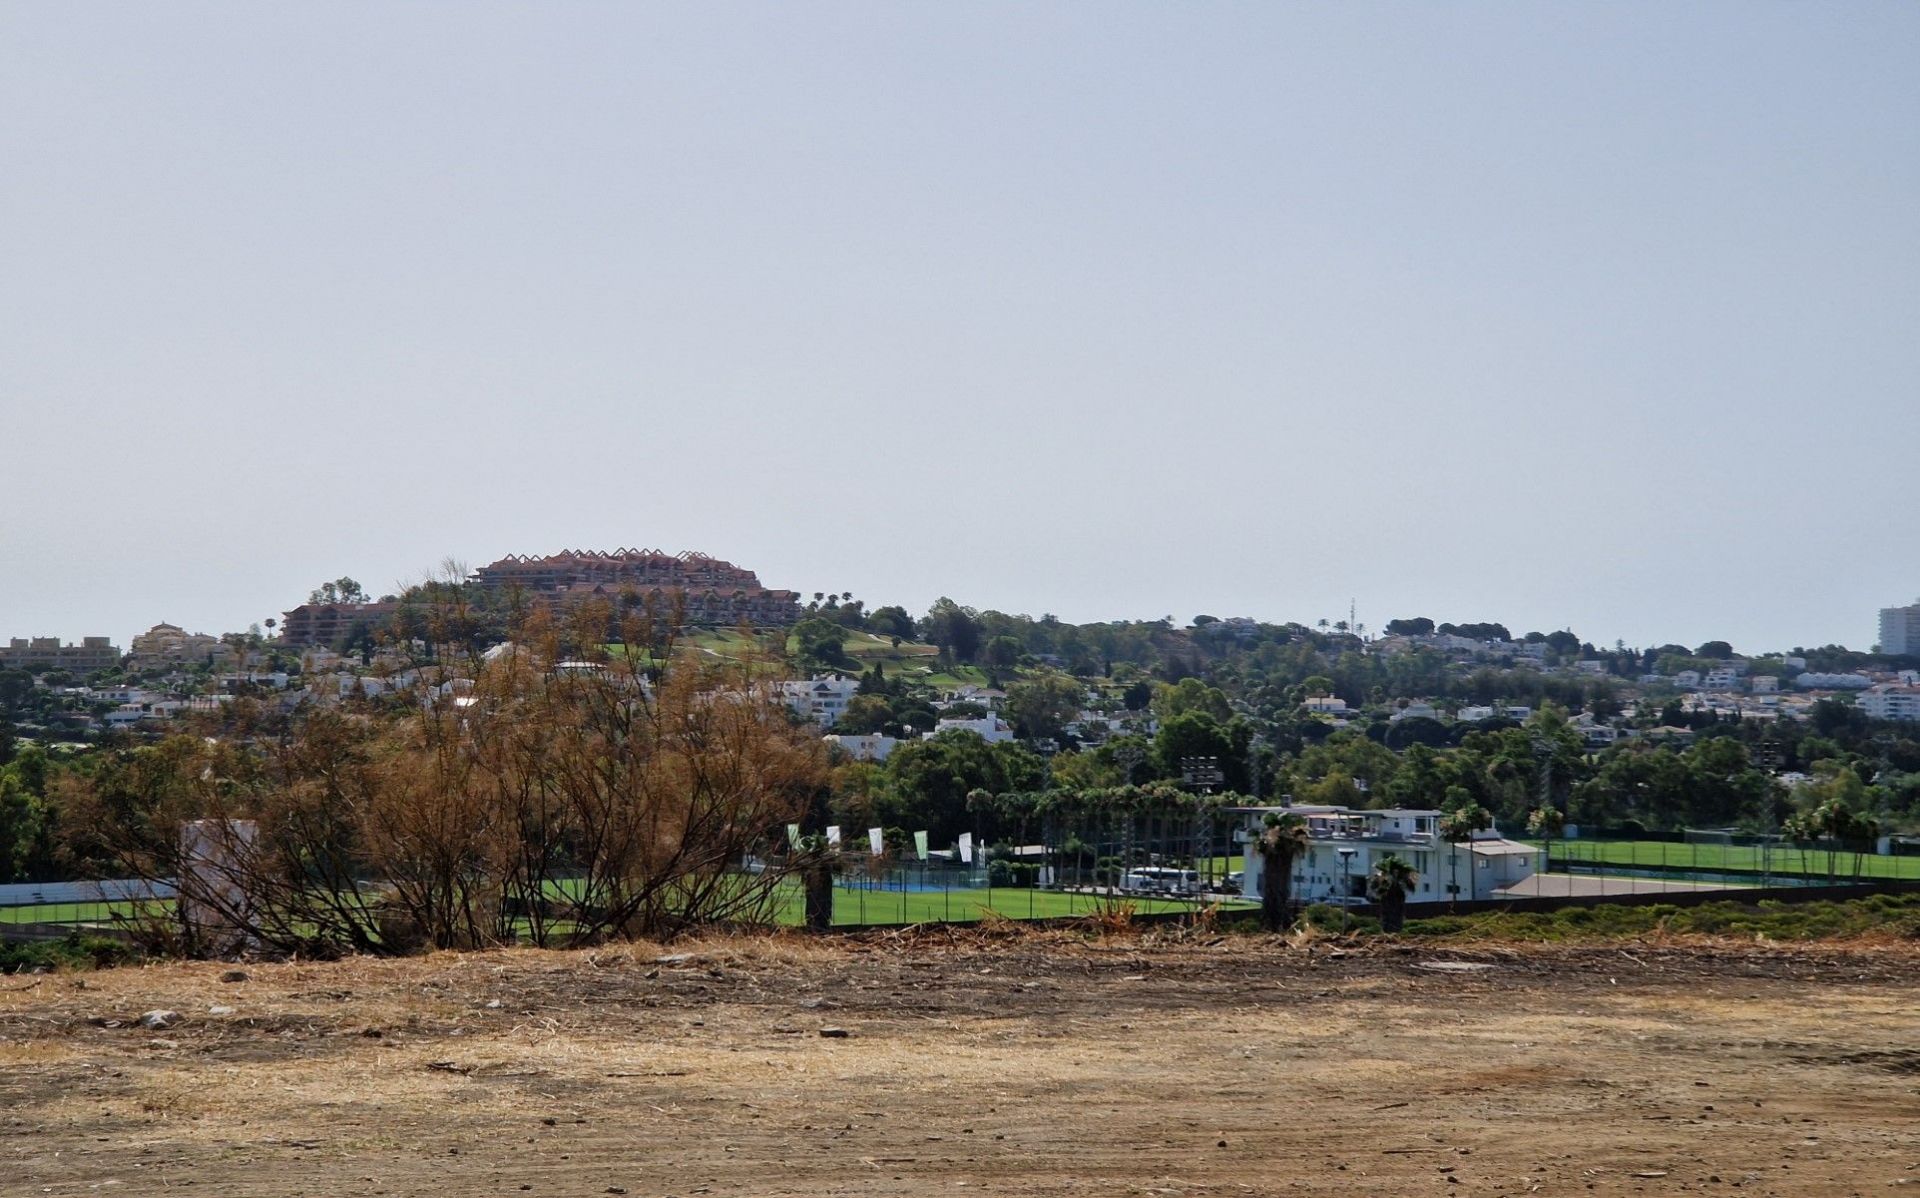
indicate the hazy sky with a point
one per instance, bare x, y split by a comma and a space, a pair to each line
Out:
1603, 316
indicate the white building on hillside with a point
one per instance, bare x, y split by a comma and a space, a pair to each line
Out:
870, 747
1833, 682
1721, 678
1900, 629
989, 697
990, 728
1476, 715
822, 700
1347, 843
1892, 703
169, 644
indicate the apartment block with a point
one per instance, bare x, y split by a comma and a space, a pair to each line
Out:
1900, 629
47, 653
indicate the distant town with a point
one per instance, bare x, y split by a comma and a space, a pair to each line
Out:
339, 643
922, 710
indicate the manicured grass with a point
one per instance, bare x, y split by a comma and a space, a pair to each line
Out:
869, 647
852, 905
69, 913
1780, 859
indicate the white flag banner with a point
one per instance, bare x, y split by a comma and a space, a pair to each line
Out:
833, 836
877, 841
966, 847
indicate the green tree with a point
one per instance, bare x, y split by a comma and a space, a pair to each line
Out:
928, 780
23, 827
864, 714
1546, 823
954, 628
1004, 651
1089, 769
1191, 694
1422, 780
819, 644
1043, 706
1389, 884
1197, 734
1281, 841
891, 620
34, 769
341, 590
1459, 820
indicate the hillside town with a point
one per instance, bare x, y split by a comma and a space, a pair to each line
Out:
920, 716
338, 645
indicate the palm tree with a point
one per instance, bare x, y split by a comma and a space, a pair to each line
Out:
1457, 825
1866, 830
1280, 843
1389, 884
1547, 823
815, 859
1834, 821
1798, 828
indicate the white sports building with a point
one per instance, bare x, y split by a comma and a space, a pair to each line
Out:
1346, 842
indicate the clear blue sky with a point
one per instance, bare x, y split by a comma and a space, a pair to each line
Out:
1600, 316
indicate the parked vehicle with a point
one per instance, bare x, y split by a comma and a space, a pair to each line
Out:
1154, 879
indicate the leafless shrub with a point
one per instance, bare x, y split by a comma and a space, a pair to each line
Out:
561, 789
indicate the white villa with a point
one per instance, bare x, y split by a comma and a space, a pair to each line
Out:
990, 728
871, 747
822, 700
1347, 843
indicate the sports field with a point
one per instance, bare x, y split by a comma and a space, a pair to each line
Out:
67, 913
851, 906
1777, 859
855, 906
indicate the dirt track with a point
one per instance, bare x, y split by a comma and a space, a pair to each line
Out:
1031, 1065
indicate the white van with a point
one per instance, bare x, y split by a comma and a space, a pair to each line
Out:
1161, 880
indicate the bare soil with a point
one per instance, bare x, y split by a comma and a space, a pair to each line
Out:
1033, 1063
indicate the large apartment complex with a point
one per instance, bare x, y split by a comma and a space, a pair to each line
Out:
711, 591
169, 644
47, 653
330, 623
690, 588
1900, 629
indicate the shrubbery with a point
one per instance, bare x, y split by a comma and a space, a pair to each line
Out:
1013, 873
1769, 919
75, 952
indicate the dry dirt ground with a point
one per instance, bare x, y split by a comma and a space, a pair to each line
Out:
1026, 1064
